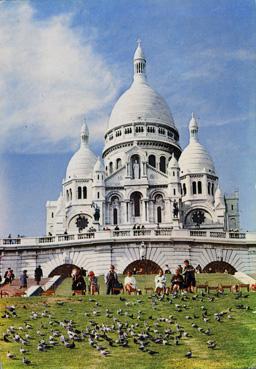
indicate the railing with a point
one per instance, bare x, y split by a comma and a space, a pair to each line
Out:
163, 232
126, 233
84, 236
141, 232
66, 237
46, 239
218, 234
237, 235
198, 233
129, 233
11, 241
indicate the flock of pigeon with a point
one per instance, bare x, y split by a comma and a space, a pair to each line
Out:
103, 328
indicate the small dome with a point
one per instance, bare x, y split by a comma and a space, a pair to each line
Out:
82, 163
173, 163
195, 158
139, 54
98, 167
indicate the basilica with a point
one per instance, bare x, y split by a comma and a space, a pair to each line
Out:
144, 204
144, 178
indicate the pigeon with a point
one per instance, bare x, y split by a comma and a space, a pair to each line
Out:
188, 354
10, 355
26, 361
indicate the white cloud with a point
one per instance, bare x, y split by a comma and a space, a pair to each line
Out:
50, 77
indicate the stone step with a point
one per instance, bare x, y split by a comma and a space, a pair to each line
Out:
52, 283
244, 278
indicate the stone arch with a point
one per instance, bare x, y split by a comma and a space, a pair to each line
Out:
143, 267
209, 218
72, 227
219, 267
136, 198
64, 270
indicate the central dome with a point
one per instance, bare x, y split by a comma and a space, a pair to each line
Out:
140, 103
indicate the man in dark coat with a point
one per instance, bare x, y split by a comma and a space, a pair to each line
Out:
111, 279
38, 274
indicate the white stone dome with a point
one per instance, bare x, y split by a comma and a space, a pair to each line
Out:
140, 103
82, 163
195, 158
173, 163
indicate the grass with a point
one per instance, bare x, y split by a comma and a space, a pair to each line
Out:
236, 338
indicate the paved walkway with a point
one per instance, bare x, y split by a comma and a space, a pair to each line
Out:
244, 278
14, 288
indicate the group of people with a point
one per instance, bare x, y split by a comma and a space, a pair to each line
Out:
79, 284
183, 279
9, 277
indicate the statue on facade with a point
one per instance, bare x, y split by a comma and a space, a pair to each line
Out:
136, 170
143, 251
96, 214
175, 209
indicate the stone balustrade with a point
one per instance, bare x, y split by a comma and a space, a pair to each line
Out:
129, 233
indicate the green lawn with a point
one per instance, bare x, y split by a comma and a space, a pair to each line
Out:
235, 338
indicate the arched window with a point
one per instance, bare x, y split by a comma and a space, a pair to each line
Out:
106, 170
98, 195
194, 188
136, 198
118, 163
199, 187
85, 192
162, 165
212, 188
53, 214
79, 192
184, 189
67, 195
98, 176
209, 188
174, 192
152, 160
173, 174
115, 217
70, 194
159, 214
110, 167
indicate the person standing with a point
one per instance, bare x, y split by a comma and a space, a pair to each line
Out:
38, 274
111, 279
189, 276
24, 279
93, 283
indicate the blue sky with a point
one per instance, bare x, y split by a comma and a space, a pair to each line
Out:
61, 60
